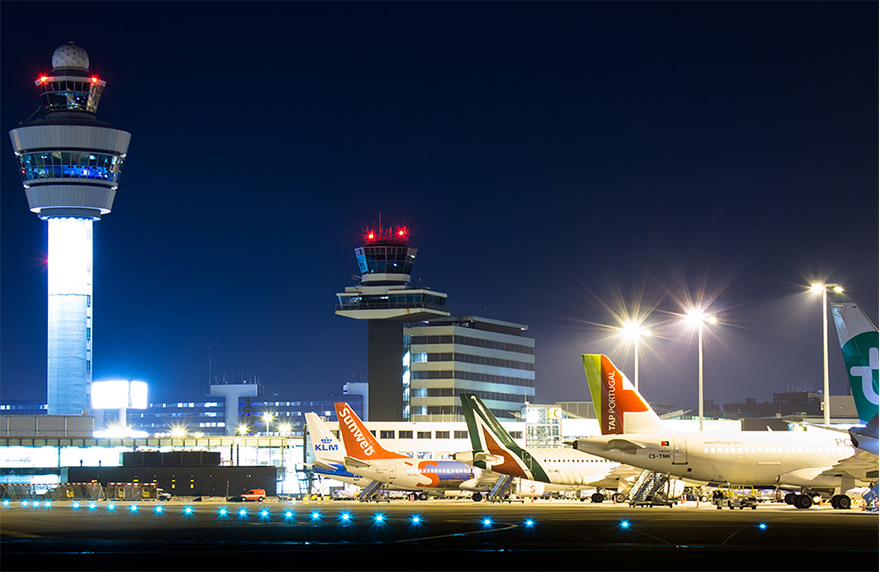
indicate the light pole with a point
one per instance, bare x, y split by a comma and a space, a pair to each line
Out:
633, 331
816, 289
697, 318
267, 419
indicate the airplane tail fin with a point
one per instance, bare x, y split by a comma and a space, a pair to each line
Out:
859, 344
359, 442
619, 407
325, 446
493, 447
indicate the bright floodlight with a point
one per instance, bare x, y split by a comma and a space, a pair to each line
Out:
285, 428
817, 288
178, 431
243, 429
268, 417
633, 330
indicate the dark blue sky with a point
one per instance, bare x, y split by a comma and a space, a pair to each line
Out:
549, 159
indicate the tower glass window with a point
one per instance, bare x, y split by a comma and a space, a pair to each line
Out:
70, 165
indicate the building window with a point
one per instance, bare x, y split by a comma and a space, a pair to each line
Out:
404, 434
516, 434
461, 434
423, 434
386, 434
442, 434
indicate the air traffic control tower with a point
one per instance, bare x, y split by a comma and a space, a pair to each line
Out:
384, 298
70, 164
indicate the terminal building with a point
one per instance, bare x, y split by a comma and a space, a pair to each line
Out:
467, 354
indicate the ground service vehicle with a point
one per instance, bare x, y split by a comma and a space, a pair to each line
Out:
257, 495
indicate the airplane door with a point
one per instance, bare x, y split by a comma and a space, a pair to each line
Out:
679, 451
393, 472
527, 459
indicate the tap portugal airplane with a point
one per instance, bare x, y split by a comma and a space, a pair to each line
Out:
814, 462
494, 449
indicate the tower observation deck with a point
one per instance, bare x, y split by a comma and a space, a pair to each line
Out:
70, 165
384, 298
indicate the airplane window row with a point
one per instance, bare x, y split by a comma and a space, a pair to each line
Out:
775, 449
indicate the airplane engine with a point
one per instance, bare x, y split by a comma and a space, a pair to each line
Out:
529, 488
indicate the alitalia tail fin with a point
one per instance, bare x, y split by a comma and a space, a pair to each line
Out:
859, 344
326, 447
493, 447
359, 442
619, 407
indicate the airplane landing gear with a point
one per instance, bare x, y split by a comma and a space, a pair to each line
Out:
803, 501
841, 502
597, 497
477, 497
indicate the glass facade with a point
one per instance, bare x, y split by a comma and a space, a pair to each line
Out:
71, 95
385, 259
70, 165
391, 301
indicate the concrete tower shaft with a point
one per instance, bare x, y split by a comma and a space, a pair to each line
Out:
70, 165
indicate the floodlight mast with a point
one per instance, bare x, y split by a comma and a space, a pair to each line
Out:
70, 165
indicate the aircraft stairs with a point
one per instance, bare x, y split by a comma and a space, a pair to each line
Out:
651, 489
370, 491
500, 489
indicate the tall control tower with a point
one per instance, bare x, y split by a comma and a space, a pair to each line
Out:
385, 300
70, 165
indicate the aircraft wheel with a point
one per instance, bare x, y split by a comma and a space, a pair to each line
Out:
477, 497
790, 498
844, 502
834, 501
423, 496
618, 497
597, 497
803, 501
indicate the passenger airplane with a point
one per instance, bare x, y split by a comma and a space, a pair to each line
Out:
329, 454
365, 456
814, 462
494, 449
859, 344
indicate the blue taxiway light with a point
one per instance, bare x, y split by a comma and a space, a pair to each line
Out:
159, 509
529, 522
111, 506
379, 517
5, 502
75, 506
345, 516
187, 510
316, 515
47, 504
264, 513
223, 511
288, 514
133, 508
624, 524
487, 521
24, 503
242, 512
416, 519
763, 526
92, 506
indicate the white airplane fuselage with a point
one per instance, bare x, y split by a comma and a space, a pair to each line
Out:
414, 474
748, 458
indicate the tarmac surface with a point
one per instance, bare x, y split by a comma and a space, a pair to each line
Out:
446, 535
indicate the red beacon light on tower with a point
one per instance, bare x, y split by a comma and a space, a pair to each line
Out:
94, 79
399, 234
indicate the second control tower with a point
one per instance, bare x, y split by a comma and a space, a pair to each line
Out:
384, 298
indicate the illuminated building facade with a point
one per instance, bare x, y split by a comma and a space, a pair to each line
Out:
70, 165
384, 298
467, 354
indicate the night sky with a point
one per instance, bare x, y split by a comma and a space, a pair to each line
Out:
554, 162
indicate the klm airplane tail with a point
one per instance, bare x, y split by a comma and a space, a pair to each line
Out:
859, 344
493, 447
325, 446
620, 408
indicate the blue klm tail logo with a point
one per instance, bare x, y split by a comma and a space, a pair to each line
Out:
326, 445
